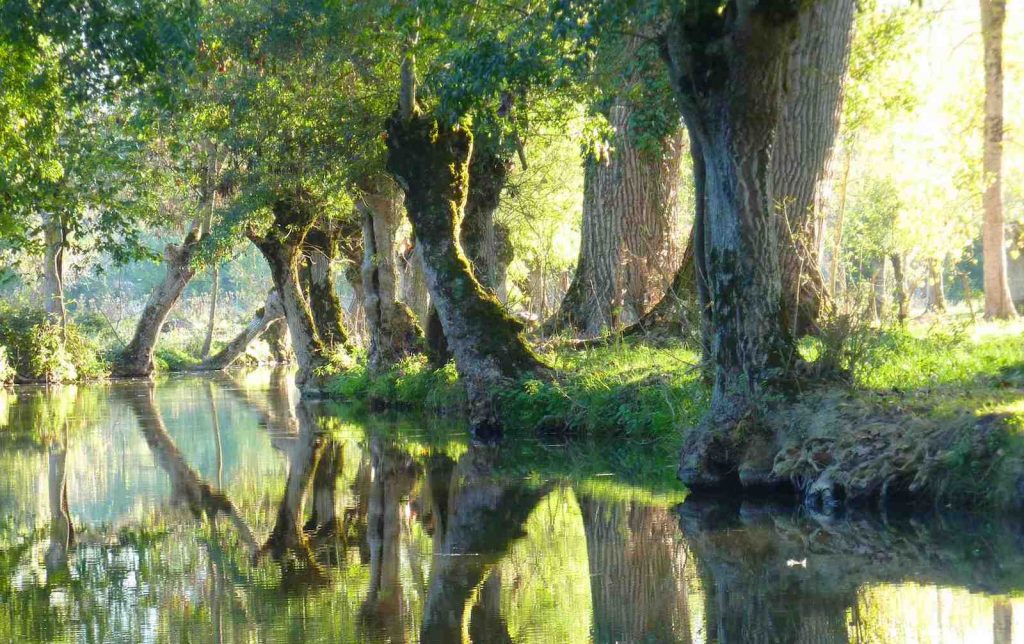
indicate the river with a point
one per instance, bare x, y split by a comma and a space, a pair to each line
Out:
222, 509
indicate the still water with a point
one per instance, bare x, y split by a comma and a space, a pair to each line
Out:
222, 510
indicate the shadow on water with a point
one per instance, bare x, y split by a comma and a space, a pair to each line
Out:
223, 509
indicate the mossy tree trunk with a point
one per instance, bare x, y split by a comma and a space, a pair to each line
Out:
394, 333
809, 121
268, 314
727, 69
282, 246
278, 340
430, 160
137, 358
320, 249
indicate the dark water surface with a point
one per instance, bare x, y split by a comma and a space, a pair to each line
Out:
221, 510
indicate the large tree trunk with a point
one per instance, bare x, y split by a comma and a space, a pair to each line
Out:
727, 69
137, 358
413, 291
212, 320
805, 139
281, 246
268, 314
391, 325
430, 162
629, 247
54, 241
320, 248
998, 301
278, 340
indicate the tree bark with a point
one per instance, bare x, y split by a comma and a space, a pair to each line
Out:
268, 314
430, 162
629, 245
278, 340
281, 246
320, 248
998, 300
392, 326
137, 358
212, 321
811, 109
54, 241
727, 69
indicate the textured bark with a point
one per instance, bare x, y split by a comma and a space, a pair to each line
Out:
281, 246
212, 320
392, 326
629, 243
808, 124
268, 314
277, 339
320, 249
438, 353
998, 300
485, 516
54, 242
137, 358
62, 529
430, 162
413, 283
727, 70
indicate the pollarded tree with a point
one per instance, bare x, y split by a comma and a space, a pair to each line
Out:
727, 65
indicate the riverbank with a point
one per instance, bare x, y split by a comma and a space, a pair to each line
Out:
933, 413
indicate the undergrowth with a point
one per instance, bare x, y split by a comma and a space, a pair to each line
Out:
38, 350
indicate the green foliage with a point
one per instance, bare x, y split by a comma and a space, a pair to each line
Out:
40, 350
6, 369
173, 359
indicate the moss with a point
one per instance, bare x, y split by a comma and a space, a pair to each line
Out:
431, 163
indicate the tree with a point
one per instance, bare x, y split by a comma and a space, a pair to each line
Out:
727, 68
807, 131
998, 301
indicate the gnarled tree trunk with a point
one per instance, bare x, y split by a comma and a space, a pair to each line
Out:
137, 358
807, 129
281, 246
727, 69
392, 326
320, 248
998, 301
269, 313
430, 160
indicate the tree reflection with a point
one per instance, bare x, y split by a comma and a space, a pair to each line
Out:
485, 516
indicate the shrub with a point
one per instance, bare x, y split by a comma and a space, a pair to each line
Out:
39, 350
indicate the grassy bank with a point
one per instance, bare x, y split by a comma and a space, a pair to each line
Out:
936, 409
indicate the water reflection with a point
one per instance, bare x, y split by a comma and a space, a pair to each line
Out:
223, 509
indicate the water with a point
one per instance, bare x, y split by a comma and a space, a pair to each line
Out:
220, 510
